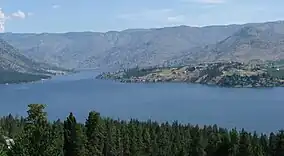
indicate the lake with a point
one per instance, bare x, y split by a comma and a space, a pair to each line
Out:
253, 109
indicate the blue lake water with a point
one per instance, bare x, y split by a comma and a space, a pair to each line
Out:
253, 109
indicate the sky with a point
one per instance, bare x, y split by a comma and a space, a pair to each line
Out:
23, 16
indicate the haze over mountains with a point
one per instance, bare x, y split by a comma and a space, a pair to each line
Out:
251, 42
12, 60
17, 68
147, 47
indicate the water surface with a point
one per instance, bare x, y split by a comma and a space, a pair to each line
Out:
253, 109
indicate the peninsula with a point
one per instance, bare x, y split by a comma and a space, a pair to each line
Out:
224, 74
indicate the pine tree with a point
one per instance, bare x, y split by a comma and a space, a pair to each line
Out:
58, 135
133, 139
197, 147
125, 139
118, 140
186, 141
163, 141
213, 143
95, 134
139, 138
224, 147
154, 141
11, 126
175, 139
109, 147
280, 143
147, 149
263, 142
272, 144
256, 146
234, 142
245, 148
37, 138
73, 138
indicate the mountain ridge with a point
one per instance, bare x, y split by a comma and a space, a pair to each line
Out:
75, 49
142, 47
16, 68
248, 43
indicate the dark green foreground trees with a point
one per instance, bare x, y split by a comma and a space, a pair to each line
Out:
36, 136
17, 77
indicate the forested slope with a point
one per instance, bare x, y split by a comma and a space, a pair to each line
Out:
99, 136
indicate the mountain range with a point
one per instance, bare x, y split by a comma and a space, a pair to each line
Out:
252, 42
12, 60
15, 67
148, 47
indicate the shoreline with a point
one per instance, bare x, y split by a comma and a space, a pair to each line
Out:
189, 83
41, 78
25, 82
225, 74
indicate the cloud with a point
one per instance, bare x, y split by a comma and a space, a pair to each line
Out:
2, 21
15, 15
162, 16
55, 6
19, 14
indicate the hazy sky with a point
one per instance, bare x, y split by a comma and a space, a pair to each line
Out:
105, 15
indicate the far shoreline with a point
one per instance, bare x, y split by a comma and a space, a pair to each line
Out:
221, 74
188, 83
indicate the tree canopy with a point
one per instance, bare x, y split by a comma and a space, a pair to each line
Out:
35, 135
